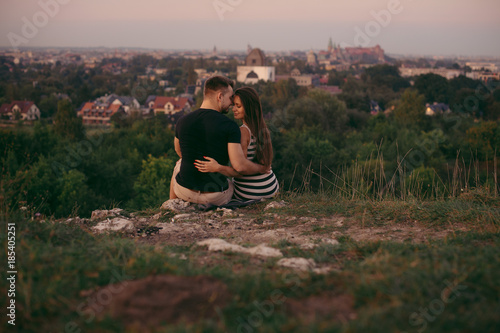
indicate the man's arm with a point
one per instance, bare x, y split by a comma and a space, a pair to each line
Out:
241, 164
211, 165
177, 147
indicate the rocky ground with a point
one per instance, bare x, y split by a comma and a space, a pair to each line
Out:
264, 233
258, 230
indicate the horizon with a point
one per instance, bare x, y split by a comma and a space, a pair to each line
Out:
452, 28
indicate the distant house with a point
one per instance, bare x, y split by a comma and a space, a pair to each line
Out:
128, 103
169, 105
436, 108
25, 110
303, 80
374, 107
95, 113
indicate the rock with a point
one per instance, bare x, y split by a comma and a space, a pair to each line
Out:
76, 220
157, 216
307, 219
330, 241
226, 212
216, 244
101, 214
300, 264
179, 217
175, 205
167, 228
308, 246
115, 225
275, 204
324, 270
264, 251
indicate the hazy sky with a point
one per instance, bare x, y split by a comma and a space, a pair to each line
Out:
448, 27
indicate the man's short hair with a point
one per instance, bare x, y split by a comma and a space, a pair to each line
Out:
216, 83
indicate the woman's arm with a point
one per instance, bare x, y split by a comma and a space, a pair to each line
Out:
245, 139
213, 166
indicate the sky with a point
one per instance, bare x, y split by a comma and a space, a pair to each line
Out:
419, 27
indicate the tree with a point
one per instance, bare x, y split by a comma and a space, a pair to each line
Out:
410, 110
484, 139
385, 75
434, 87
48, 106
334, 111
66, 122
75, 196
153, 185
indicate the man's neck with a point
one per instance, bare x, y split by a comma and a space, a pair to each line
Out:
208, 104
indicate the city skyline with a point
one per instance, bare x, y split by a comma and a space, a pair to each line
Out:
450, 27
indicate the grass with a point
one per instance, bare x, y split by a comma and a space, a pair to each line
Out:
396, 287
463, 210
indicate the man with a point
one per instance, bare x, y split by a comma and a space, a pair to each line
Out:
207, 132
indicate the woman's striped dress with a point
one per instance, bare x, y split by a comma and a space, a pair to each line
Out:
256, 186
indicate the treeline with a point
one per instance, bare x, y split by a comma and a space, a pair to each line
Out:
321, 142
57, 174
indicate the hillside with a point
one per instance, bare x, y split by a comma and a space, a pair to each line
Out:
300, 263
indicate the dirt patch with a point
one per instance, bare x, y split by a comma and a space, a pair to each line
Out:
328, 306
156, 300
303, 232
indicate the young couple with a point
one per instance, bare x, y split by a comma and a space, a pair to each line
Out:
206, 141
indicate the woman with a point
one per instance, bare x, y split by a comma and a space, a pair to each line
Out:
256, 145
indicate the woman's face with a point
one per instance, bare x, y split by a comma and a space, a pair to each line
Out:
238, 109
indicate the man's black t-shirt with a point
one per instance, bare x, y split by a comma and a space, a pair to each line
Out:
204, 132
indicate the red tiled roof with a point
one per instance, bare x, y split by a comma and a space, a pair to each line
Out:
23, 105
177, 102
160, 102
114, 108
88, 106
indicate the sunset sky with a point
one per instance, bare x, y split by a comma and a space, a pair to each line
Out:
441, 27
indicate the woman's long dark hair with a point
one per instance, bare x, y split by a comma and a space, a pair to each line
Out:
255, 121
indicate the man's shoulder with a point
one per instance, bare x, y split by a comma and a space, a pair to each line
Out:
210, 118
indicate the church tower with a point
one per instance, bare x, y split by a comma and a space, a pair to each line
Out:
330, 45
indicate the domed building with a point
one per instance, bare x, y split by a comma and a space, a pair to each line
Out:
255, 68
256, 58
312, 59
